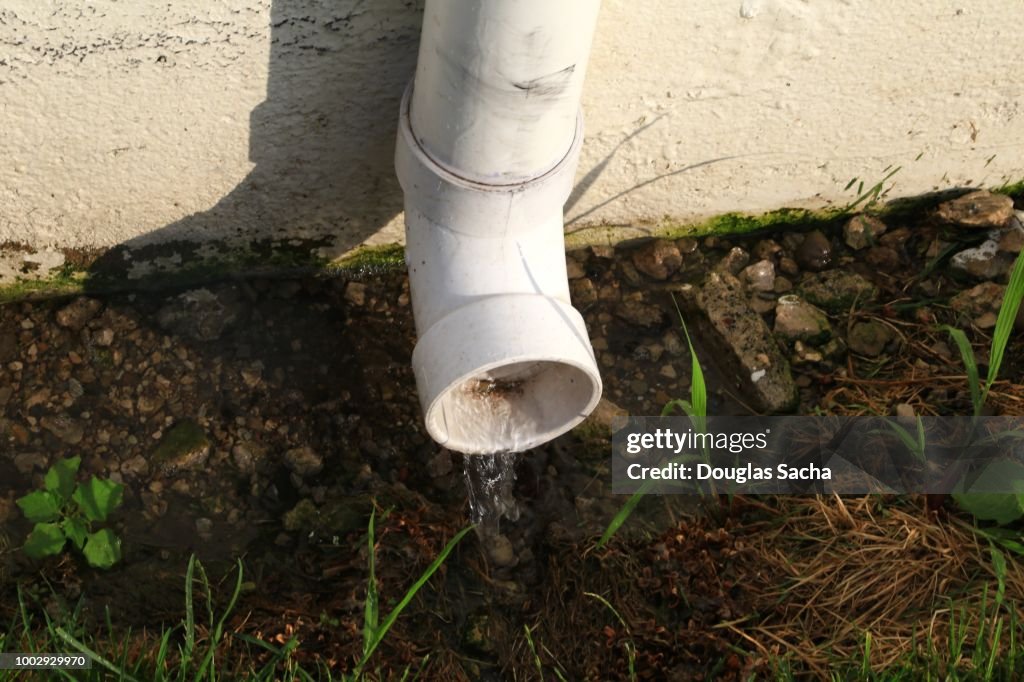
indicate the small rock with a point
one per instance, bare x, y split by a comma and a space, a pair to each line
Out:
686, 245
75, 389
27, 462
149, 400
673, 343
760, 276
583, 293
797, 320
1011, 240
788, 266
19, 433
500, 551
985, 297
355, 293
201, 314
869, 338
836, 290
629, 274
440, 464
634, 311
104, 337
782, 285
905, 410
573, 268
304, 461
252, 375
603, 251
136, 466
5, 396
896, 239
767, 249
184, 447
985, 261
734, 261
204, 526
762, 305
8, 346
77, 314
981, 209
805, 355
658, 259
668, 371
986, 320
834, 348
815, 252
882, 258
243, 457
65, 428
862, 230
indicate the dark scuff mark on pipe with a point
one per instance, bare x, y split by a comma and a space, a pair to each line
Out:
549, 86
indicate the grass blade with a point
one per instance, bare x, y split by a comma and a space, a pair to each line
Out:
967, 353
698, 389
83, 649
371, 609
190, 620
218, 629
623, 514
628, 644
381, 631
1004, 323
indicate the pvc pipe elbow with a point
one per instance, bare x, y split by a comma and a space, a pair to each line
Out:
503, 362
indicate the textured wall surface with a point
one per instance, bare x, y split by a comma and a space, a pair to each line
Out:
141, 120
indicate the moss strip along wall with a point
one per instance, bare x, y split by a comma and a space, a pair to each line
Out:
177, 264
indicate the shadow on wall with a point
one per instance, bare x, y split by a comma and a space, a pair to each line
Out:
322, 141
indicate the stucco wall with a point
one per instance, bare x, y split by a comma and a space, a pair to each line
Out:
127, 121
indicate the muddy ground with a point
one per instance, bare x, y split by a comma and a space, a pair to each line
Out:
263, 419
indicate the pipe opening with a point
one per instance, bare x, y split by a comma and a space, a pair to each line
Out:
511, 407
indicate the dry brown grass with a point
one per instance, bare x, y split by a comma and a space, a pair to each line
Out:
832, 569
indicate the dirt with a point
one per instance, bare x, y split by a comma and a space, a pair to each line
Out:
265, 418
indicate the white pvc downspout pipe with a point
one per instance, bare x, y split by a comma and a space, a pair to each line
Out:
488, 143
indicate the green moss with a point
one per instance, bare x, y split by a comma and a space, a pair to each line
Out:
742, 223
64, 281
1013, 189
385, 258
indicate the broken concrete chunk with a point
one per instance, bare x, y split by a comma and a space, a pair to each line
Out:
748, 344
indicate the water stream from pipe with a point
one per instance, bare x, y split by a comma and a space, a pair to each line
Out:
489, 481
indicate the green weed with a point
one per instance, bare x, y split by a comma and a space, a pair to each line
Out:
627, 643
63, 511
374, 630
696, 408
1001, 508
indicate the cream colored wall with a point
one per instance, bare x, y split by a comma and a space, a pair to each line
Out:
132, 121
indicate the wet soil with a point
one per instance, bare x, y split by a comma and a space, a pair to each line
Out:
264, 419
